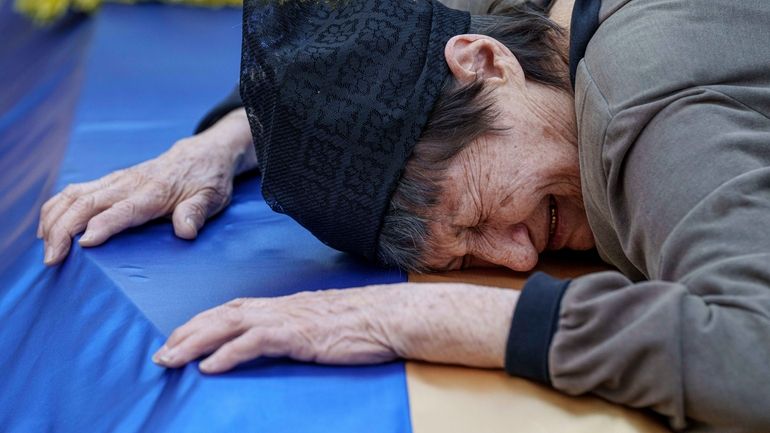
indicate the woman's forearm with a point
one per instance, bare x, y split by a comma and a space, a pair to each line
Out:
447, 323
452, 323
232, 133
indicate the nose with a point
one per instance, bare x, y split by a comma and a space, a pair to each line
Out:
511, 247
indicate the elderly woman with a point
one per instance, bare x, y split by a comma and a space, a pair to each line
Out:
418, 136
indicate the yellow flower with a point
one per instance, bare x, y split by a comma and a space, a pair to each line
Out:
42, 11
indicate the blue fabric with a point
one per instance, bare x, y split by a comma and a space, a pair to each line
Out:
535, 320
77, 339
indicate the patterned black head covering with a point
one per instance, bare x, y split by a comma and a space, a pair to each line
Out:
337, 94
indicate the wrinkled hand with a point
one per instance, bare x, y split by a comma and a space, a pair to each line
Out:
191, 182
448, 323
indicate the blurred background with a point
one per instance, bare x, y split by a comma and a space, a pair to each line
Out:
49, 11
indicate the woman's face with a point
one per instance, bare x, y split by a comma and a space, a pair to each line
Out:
511, 195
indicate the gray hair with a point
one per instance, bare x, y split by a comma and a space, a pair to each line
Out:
462, 114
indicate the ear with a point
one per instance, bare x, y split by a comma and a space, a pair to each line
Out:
472, 57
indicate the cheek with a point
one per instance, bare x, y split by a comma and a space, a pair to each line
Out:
511, 248
517, 208
442, 247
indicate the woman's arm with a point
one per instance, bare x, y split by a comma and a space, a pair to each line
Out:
446, 323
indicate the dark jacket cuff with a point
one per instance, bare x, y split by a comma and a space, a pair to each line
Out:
535, 320
227, 105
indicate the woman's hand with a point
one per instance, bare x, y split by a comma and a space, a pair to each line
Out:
191, 182
447, 323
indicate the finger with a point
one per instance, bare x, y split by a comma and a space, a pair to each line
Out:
58, 204
73, 221
39, 232
190, 215
196, 345
229, 313
181, 333
50, 208
118, 217
56, 252
202, 334
250, 345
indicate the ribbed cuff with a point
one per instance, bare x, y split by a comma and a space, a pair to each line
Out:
535, 320
227, 105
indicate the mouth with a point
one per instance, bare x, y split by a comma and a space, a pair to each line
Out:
553, 212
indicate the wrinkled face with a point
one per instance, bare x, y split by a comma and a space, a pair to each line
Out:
508, 197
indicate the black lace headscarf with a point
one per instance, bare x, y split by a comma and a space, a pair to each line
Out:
337, 94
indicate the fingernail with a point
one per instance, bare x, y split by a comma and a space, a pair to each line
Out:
207, 365
161, 356
88, 237
48, 255
189, 221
